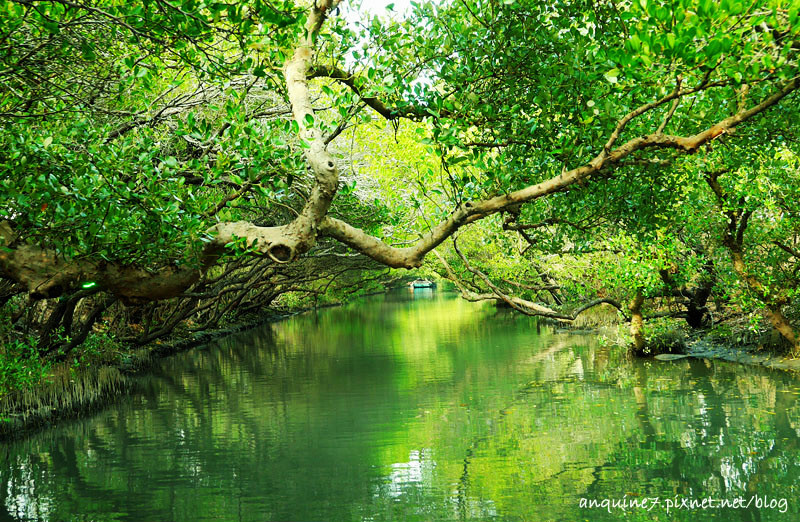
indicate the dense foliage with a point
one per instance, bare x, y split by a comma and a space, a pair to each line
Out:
179, 160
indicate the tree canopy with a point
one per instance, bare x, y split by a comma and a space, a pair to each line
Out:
146, 144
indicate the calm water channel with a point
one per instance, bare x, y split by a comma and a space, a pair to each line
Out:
417, 410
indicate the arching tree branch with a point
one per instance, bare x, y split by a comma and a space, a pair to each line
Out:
412, 257
521, 305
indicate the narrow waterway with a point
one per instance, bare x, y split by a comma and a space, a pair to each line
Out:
423, 409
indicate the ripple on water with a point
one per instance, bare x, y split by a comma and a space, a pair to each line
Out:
435, 409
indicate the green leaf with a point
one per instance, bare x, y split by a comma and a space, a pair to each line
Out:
612, 75
87, 51
51, 26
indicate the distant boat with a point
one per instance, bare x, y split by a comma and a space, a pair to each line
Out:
421, 283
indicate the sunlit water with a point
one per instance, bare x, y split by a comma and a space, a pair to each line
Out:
417, 410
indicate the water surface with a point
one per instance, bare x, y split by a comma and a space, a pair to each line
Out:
428, 409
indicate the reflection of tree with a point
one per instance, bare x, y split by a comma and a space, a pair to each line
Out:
462, 493
782, 455
722, 438
322, 418
642, 408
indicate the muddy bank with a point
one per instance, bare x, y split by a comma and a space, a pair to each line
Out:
705, 350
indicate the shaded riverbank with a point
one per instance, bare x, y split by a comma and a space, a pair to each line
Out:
68, 393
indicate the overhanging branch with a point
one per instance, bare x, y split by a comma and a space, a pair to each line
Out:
467, 212
521, 305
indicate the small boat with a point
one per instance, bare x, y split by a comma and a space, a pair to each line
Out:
421, 283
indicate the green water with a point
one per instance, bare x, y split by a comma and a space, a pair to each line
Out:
416, 410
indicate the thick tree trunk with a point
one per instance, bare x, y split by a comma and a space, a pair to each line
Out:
783, 326
44, 273
637, 322
734, 241
773, 305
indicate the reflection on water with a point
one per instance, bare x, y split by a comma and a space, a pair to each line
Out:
415, 410
421, 293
